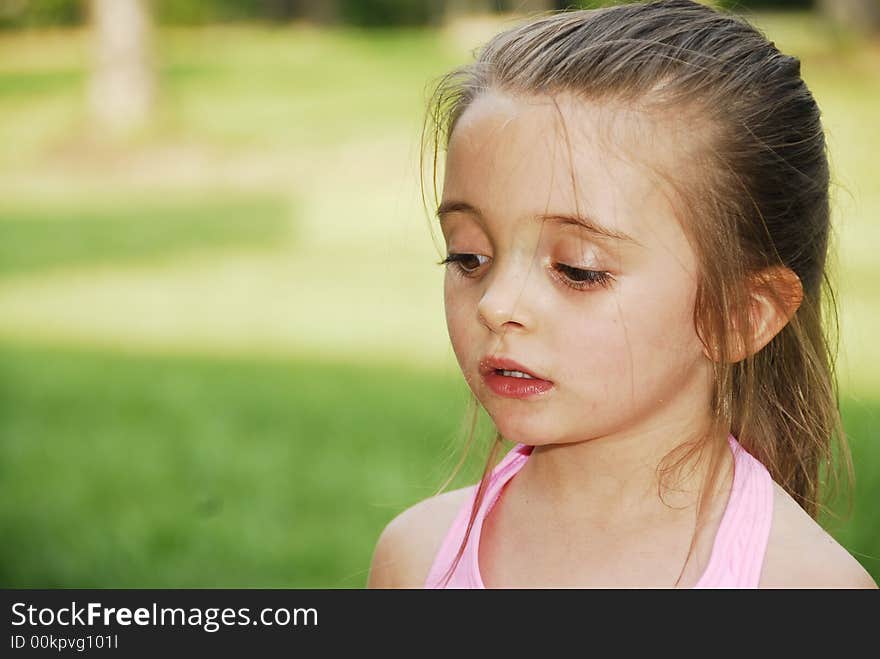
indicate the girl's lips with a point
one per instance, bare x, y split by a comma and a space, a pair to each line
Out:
513, 387
491, 364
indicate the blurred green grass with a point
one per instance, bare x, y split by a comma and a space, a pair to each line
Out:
133, 471
128, 466
50, 235
234, 86
27, 84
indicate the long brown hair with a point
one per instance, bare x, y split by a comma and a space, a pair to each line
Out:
753, 195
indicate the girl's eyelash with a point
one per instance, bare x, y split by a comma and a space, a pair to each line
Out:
581, 279
576, 278
458, 261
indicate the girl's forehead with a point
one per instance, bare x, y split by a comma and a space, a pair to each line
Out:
565, 127
528, 154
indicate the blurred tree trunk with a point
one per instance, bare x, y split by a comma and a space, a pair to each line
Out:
123, 84
860, 15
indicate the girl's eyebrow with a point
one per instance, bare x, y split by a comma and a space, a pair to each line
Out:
584, 222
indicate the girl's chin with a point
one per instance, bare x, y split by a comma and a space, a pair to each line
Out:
524, 430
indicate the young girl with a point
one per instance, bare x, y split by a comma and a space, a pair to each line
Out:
636, 214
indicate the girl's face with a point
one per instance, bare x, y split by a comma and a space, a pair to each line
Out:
605, 314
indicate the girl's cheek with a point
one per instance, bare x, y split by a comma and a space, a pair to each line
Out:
604, 349
456, 321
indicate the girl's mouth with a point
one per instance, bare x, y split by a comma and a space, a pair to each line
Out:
515, 384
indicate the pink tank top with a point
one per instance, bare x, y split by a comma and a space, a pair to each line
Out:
737, 552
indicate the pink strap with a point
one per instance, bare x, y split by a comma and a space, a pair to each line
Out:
741, 540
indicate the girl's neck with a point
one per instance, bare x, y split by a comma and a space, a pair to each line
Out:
604, 480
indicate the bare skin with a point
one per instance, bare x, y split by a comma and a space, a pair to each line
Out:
800, 554
631, 378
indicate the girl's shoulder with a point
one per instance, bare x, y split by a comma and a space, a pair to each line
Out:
801, 554
408, 544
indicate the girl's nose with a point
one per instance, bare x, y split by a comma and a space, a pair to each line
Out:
505, 302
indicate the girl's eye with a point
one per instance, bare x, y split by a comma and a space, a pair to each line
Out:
577, 278
581, 279
465, 264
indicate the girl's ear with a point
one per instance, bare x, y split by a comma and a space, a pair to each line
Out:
775, 294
